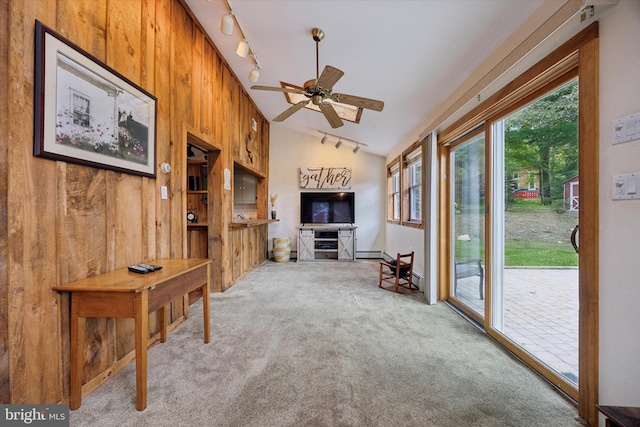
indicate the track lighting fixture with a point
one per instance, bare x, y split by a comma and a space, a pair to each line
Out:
229, 21
356, 149
226, 26
190, 152
254, 74
243, 49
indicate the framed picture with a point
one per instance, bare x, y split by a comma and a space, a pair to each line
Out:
87, 113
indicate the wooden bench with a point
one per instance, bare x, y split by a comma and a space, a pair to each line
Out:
469, 268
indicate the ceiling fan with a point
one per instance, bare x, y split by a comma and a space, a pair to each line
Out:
320, 90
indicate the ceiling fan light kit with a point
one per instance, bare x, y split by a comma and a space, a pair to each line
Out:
319, 92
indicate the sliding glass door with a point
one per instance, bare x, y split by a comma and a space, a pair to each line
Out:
512, 218
517, 174
467, 213
535, 211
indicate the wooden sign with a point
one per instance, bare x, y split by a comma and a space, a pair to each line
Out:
321, 177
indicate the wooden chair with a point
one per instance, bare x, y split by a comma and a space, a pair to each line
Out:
397, 273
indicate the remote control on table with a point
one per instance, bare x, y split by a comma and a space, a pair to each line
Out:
150, 267
139, 269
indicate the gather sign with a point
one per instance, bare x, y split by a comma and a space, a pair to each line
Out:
323, 177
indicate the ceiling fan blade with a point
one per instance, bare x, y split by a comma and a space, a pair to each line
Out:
277, 89
286, 113
330, 75
358, 101
330, 113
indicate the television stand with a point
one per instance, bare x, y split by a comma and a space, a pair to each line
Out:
327, 243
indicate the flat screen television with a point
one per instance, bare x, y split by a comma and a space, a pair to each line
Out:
327, 208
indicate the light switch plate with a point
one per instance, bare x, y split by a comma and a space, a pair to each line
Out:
164, 195
626, 129
625, 186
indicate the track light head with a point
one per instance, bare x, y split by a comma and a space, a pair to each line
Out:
323, 140
227, 24
254, 74
339, 143
243, 49
356, 149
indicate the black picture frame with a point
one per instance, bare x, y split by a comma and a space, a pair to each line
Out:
87, 113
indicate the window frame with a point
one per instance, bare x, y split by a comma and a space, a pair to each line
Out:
393, 170
410, 157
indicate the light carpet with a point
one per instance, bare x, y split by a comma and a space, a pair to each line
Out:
319, 344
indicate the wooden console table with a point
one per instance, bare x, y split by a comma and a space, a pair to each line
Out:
121, 293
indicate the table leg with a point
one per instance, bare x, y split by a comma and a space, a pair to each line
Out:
141, 316
77, 353
205, 308
163, 322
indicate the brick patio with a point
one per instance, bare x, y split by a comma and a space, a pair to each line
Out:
540, 313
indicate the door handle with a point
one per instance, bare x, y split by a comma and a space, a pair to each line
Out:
573, 239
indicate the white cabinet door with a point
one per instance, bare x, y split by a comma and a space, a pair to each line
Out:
346, 244
306, 250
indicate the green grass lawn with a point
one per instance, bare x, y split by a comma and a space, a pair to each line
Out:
544, 254
518, 253
527, 205
531, 249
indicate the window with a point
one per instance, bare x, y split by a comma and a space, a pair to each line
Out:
412, 189
404, 188
81, 110
393, 191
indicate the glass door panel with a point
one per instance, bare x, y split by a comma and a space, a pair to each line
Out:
535, 203
467, 223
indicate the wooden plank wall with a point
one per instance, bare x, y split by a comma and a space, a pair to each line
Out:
61, 222
4, 279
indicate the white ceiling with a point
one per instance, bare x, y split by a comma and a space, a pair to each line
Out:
411, 54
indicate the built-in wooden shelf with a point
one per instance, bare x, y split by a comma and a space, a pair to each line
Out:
197, 224
246, 223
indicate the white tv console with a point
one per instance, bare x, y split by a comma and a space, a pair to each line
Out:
327, 242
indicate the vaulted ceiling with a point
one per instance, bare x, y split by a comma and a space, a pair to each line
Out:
410, 54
